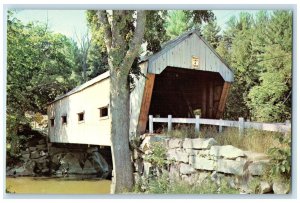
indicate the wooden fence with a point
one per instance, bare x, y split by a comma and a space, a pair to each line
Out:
241, 124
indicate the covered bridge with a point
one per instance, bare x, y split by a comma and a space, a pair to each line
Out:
187, 75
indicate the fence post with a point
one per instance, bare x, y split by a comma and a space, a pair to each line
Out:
150, 124
197, 124
220, 127
241, 125
169, 123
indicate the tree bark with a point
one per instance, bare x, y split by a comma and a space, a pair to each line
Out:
120, 62
121, 155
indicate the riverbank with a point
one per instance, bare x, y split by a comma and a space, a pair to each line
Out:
45, 185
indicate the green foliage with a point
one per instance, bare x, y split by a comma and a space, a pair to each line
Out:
281, 159
180, 21
39, 67
158, 155
211, 33
259, 50
163, 185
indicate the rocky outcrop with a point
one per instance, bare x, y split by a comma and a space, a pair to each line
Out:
42, 159
191, 159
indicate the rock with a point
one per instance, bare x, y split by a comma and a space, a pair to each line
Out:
41, 147
138, 166
192, 152
100, 164
135, 154
150, 140
88, 168
280, 187
201, 163
42, 141
230, 166
25, 156
92, 149
42, 153
175, 143
147, 168
186, 169
198, 143
70, 164
257, 168
26, 170
178, 154
265, 187
227, 151
35, 155
45, 170
32, 149
174, 172
254, 156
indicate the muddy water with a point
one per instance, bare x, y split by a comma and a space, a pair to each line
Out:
29, 185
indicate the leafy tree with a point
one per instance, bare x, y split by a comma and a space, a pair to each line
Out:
271, 99
180, 21
211, 33
39, 67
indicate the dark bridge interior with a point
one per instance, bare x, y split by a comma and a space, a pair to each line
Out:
180, 92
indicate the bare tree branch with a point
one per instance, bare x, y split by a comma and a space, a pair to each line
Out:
136, 40
102, 15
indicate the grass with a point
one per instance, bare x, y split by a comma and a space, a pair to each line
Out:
162, 185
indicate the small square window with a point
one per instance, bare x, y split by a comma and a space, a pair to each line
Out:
103, 112
52, 122
81, 116
64, 119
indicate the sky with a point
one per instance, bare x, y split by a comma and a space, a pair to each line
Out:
73, 22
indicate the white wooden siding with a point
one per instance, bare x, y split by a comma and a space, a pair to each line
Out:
181, 56
93, 130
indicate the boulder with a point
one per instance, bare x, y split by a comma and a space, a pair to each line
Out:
254, 156
186, 169
280, 187
35, 155
42, 141
88, 168
41, 147
265, 187
26, 170
147, 168
175, 143
227, 151
257, 168
100, 164
25, 156
150, 140
201, 163
230, 166
178, 154
138, 166
199, 143
70, 164
174, 172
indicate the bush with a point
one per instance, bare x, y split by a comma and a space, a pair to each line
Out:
281, 159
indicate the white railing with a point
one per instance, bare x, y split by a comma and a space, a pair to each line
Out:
241, 124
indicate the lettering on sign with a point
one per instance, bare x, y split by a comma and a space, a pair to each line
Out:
195, 62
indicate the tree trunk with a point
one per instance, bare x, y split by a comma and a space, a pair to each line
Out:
121, 155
